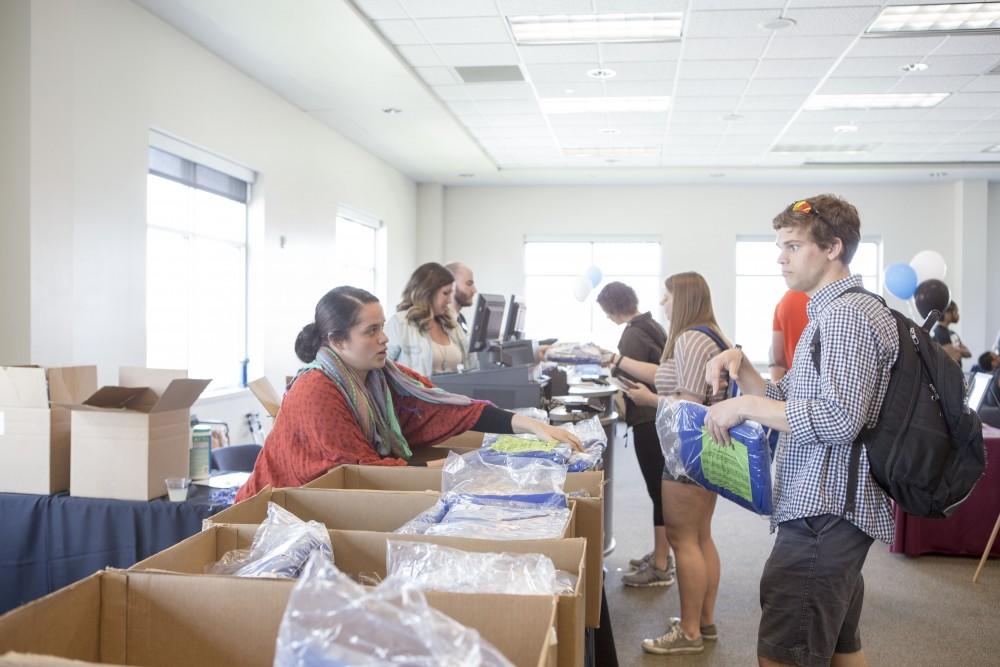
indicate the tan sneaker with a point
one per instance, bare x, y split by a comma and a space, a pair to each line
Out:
674, 642
649, 576
709, 633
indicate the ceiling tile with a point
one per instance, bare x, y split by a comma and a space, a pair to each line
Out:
705, 103
730, 23
420, 56
858, 85
798, 4
639, 88
638, 52
689, 87
716, 5
834, 20
381, 9
972, 64
639, 6
716, 69
542, 7
972, 100
800, 67
772, 102
960, 114
781, 86
889, 47
956, 45
490, 107
449, 8
808, 47
486, 91
983, 84
559, 53
724, 48
592, 89
542, 73
400, 31
437, 76
465, 30
473, 55
932, 84
503, 132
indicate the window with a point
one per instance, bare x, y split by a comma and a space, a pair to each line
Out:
357, 250
196, 269
551, 269
759, 287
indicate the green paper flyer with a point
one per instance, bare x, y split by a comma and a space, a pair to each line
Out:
726, 466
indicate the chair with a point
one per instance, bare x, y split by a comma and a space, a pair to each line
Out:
235, 458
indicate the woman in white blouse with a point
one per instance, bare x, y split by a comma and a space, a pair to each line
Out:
424, 334
694, 338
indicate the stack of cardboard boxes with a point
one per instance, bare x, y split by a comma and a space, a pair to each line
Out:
165, 611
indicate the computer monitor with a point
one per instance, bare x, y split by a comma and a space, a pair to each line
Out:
487, 319
513, 323
978, 388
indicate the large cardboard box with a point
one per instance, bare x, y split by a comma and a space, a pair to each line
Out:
342, 509
362, 555
127, 439
588, 508
156, 619
35, 425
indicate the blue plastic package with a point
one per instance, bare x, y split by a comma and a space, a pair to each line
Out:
739, 471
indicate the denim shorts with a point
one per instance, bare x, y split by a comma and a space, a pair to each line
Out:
669, 477
812, 590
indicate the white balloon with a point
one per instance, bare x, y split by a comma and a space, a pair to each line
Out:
581, 288
929, 264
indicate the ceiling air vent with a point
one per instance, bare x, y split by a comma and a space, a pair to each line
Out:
491, 74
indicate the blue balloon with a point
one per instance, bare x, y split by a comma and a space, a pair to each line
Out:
901, 280
594, 275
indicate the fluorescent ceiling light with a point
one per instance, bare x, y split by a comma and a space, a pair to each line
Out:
612, 151
937, 18
817, 148
874, 101
585, 28
557, 105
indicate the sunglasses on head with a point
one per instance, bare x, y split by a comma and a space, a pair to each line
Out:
805, 207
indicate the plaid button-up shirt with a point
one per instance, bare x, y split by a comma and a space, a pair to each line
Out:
827, 410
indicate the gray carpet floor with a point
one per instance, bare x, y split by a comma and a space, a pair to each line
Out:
918, 611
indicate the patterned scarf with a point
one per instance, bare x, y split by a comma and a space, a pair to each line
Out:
372, 403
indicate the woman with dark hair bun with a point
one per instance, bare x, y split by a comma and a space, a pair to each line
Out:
349, 404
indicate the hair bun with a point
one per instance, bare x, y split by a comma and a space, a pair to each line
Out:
307, 343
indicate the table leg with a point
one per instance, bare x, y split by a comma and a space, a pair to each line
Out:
989, 547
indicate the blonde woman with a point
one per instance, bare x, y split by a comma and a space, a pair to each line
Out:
694, 338
424, 334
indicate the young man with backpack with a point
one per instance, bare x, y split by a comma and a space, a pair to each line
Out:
828, 506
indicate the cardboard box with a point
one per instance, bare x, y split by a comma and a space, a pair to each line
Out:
588, 510
266, 394
127, 439
362, 556
342, 509
35, 425
165, 620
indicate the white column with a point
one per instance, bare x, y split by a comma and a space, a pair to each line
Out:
430, 223
15, 212
968, 279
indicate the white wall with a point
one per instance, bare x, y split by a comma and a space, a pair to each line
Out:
486, 226
104, 73
15, 233
991, 275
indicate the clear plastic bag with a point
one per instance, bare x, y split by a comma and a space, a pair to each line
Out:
281, 546
574, 353
540, 516
433, 567
331, 621
472, 473
739, 471
499, 447
594, 440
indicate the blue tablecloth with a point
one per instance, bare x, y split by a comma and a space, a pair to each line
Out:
47, 542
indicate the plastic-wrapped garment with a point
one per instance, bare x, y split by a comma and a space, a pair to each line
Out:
594, 440
533, 413
331, 621
739, 471
574, 353
538, 516
497, 448
433, 567
472, 473
281, 546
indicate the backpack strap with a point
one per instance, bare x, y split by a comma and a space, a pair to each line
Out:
855, 463
714, 336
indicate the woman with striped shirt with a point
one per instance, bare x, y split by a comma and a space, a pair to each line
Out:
694, 338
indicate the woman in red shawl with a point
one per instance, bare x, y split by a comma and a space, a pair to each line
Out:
351, 405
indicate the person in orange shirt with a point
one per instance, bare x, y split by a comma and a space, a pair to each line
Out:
790, 319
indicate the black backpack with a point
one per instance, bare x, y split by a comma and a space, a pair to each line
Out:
926, 450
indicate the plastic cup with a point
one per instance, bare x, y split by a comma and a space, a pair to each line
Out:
177, 488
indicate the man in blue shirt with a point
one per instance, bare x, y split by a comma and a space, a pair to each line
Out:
811, 588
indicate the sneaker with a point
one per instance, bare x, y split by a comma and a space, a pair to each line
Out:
648, 576
637, 563
673, 642
709, 633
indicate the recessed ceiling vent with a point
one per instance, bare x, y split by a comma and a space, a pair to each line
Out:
491, 74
